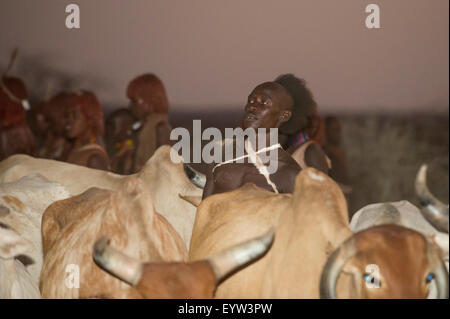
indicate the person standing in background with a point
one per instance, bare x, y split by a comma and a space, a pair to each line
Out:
149, 103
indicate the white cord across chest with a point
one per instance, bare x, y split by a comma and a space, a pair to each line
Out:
253, 157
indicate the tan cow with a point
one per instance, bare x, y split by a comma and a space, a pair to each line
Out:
71, 227
311, 224
164, 179
22, 204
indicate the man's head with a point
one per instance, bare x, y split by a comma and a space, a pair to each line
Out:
304, 105
147, 95
269, 105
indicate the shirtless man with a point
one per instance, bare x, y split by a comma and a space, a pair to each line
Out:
269, 105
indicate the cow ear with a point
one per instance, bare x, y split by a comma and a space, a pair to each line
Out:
12, 244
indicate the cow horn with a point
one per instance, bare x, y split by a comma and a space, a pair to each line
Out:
438, 268
197, 178
333, 266
434, 211
233, 258
119, 265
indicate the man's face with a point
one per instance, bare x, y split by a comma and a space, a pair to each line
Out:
267, 107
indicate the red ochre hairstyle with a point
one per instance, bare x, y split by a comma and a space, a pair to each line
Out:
11, 112
91, 109
87, 101
149, 88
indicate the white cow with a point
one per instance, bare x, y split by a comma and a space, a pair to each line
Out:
165, 180
22, 204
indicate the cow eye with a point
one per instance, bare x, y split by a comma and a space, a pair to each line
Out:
370, 279
429, 278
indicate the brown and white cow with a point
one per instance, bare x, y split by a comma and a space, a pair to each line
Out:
165, 180
74, 231
311, 224
22, 204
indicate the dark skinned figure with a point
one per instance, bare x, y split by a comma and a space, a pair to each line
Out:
121, 140
149, 103
269, 105
15, 135
83, 126
304, 122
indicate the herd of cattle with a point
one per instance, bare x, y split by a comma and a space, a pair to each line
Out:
148, 235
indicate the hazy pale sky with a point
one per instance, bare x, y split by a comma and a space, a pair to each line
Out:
211, 53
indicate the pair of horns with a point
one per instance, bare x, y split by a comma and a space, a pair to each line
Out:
347, 250
223, 264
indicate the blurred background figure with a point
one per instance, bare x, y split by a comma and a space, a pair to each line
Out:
336, 153
15, 135
121, 140
82, 117
50, 125
304, 121
149, 103
38, 122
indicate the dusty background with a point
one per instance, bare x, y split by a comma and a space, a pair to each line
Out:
211, 53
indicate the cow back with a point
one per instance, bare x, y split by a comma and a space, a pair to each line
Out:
71, 227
